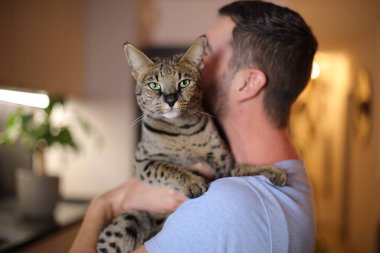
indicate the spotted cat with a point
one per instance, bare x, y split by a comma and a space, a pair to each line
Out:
176, 134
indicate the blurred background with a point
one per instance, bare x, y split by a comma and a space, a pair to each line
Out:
73, 48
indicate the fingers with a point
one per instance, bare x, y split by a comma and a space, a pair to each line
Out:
137, 195
167, 200
203, 170
146, 197
113, 199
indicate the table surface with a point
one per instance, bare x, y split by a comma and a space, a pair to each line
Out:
17, 230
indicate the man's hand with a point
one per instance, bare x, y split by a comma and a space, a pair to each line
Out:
202, 169
146, 197
131, 195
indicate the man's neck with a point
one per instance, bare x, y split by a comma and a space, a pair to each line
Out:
256, 141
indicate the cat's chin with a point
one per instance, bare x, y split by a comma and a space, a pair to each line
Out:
171, 114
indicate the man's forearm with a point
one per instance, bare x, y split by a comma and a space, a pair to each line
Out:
131, 195
92, 225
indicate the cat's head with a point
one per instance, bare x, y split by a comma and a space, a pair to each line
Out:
168, 87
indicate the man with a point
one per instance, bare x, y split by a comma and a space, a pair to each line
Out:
258, 61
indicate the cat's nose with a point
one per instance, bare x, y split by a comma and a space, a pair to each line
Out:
170, 99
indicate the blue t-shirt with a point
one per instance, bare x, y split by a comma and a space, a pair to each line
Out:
244, 214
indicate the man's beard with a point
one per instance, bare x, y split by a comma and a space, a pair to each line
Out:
215, 95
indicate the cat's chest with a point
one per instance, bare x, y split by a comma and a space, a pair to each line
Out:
193, 142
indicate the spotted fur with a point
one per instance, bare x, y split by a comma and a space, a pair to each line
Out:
176, 134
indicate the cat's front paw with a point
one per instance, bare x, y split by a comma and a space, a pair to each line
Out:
195, 187
278, 176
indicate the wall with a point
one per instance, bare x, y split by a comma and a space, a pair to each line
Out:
364, 206
349, 214
41, 45
107, 104
175, 23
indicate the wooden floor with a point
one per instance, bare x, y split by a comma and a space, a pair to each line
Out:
58, 242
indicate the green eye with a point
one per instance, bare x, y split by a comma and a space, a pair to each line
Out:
154, 86
184, 83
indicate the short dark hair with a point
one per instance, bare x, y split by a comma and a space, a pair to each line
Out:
278, 41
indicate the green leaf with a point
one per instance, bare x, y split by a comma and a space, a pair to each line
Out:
65, 138
12, 131
12, 120
38, 133
5, 140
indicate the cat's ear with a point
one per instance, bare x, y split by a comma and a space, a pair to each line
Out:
138, 61
194, 55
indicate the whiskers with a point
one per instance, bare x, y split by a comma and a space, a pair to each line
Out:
208, 114
137, 121
197, 113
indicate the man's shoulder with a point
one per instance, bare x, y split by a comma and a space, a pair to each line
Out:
237, 197
236, 193
228, 212
245, 192
257, 192
236, 189
243, 214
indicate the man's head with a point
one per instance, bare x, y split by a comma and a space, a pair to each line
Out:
274, 45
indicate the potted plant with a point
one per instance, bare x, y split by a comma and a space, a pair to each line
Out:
36, 191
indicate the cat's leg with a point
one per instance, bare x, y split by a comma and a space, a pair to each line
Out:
274, 174
221, 162
126, 232
172, 175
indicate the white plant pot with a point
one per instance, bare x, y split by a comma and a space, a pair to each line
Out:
37, 195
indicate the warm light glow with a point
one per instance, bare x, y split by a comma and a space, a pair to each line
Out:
315, 71
57, 115
40, 100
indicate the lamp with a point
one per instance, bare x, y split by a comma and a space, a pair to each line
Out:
34, 99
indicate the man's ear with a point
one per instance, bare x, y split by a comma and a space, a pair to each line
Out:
253, 81
138, 61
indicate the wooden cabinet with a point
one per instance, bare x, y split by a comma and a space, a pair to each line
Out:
42, 45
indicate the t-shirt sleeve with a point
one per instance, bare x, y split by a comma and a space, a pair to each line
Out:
216, 222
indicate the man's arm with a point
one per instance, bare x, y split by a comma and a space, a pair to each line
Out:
96, 217
131, 195
141, 249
